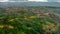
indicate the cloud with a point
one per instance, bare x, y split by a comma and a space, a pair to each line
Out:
39, 0
54, 0
3, 0
31, 0
19, 0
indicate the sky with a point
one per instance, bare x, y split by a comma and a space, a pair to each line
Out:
3, 0
36, 0
39, 0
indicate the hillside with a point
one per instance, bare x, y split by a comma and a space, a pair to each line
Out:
30, 20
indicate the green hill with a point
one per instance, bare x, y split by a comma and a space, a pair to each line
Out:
28, 20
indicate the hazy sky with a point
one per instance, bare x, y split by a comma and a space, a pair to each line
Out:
3, 0
54, 0
39, 0
46, 0
35, 0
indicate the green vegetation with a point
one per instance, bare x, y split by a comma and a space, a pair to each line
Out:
27, 23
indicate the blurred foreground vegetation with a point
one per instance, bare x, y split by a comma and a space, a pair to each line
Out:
27, 22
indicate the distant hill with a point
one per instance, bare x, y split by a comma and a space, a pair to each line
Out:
9, 4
